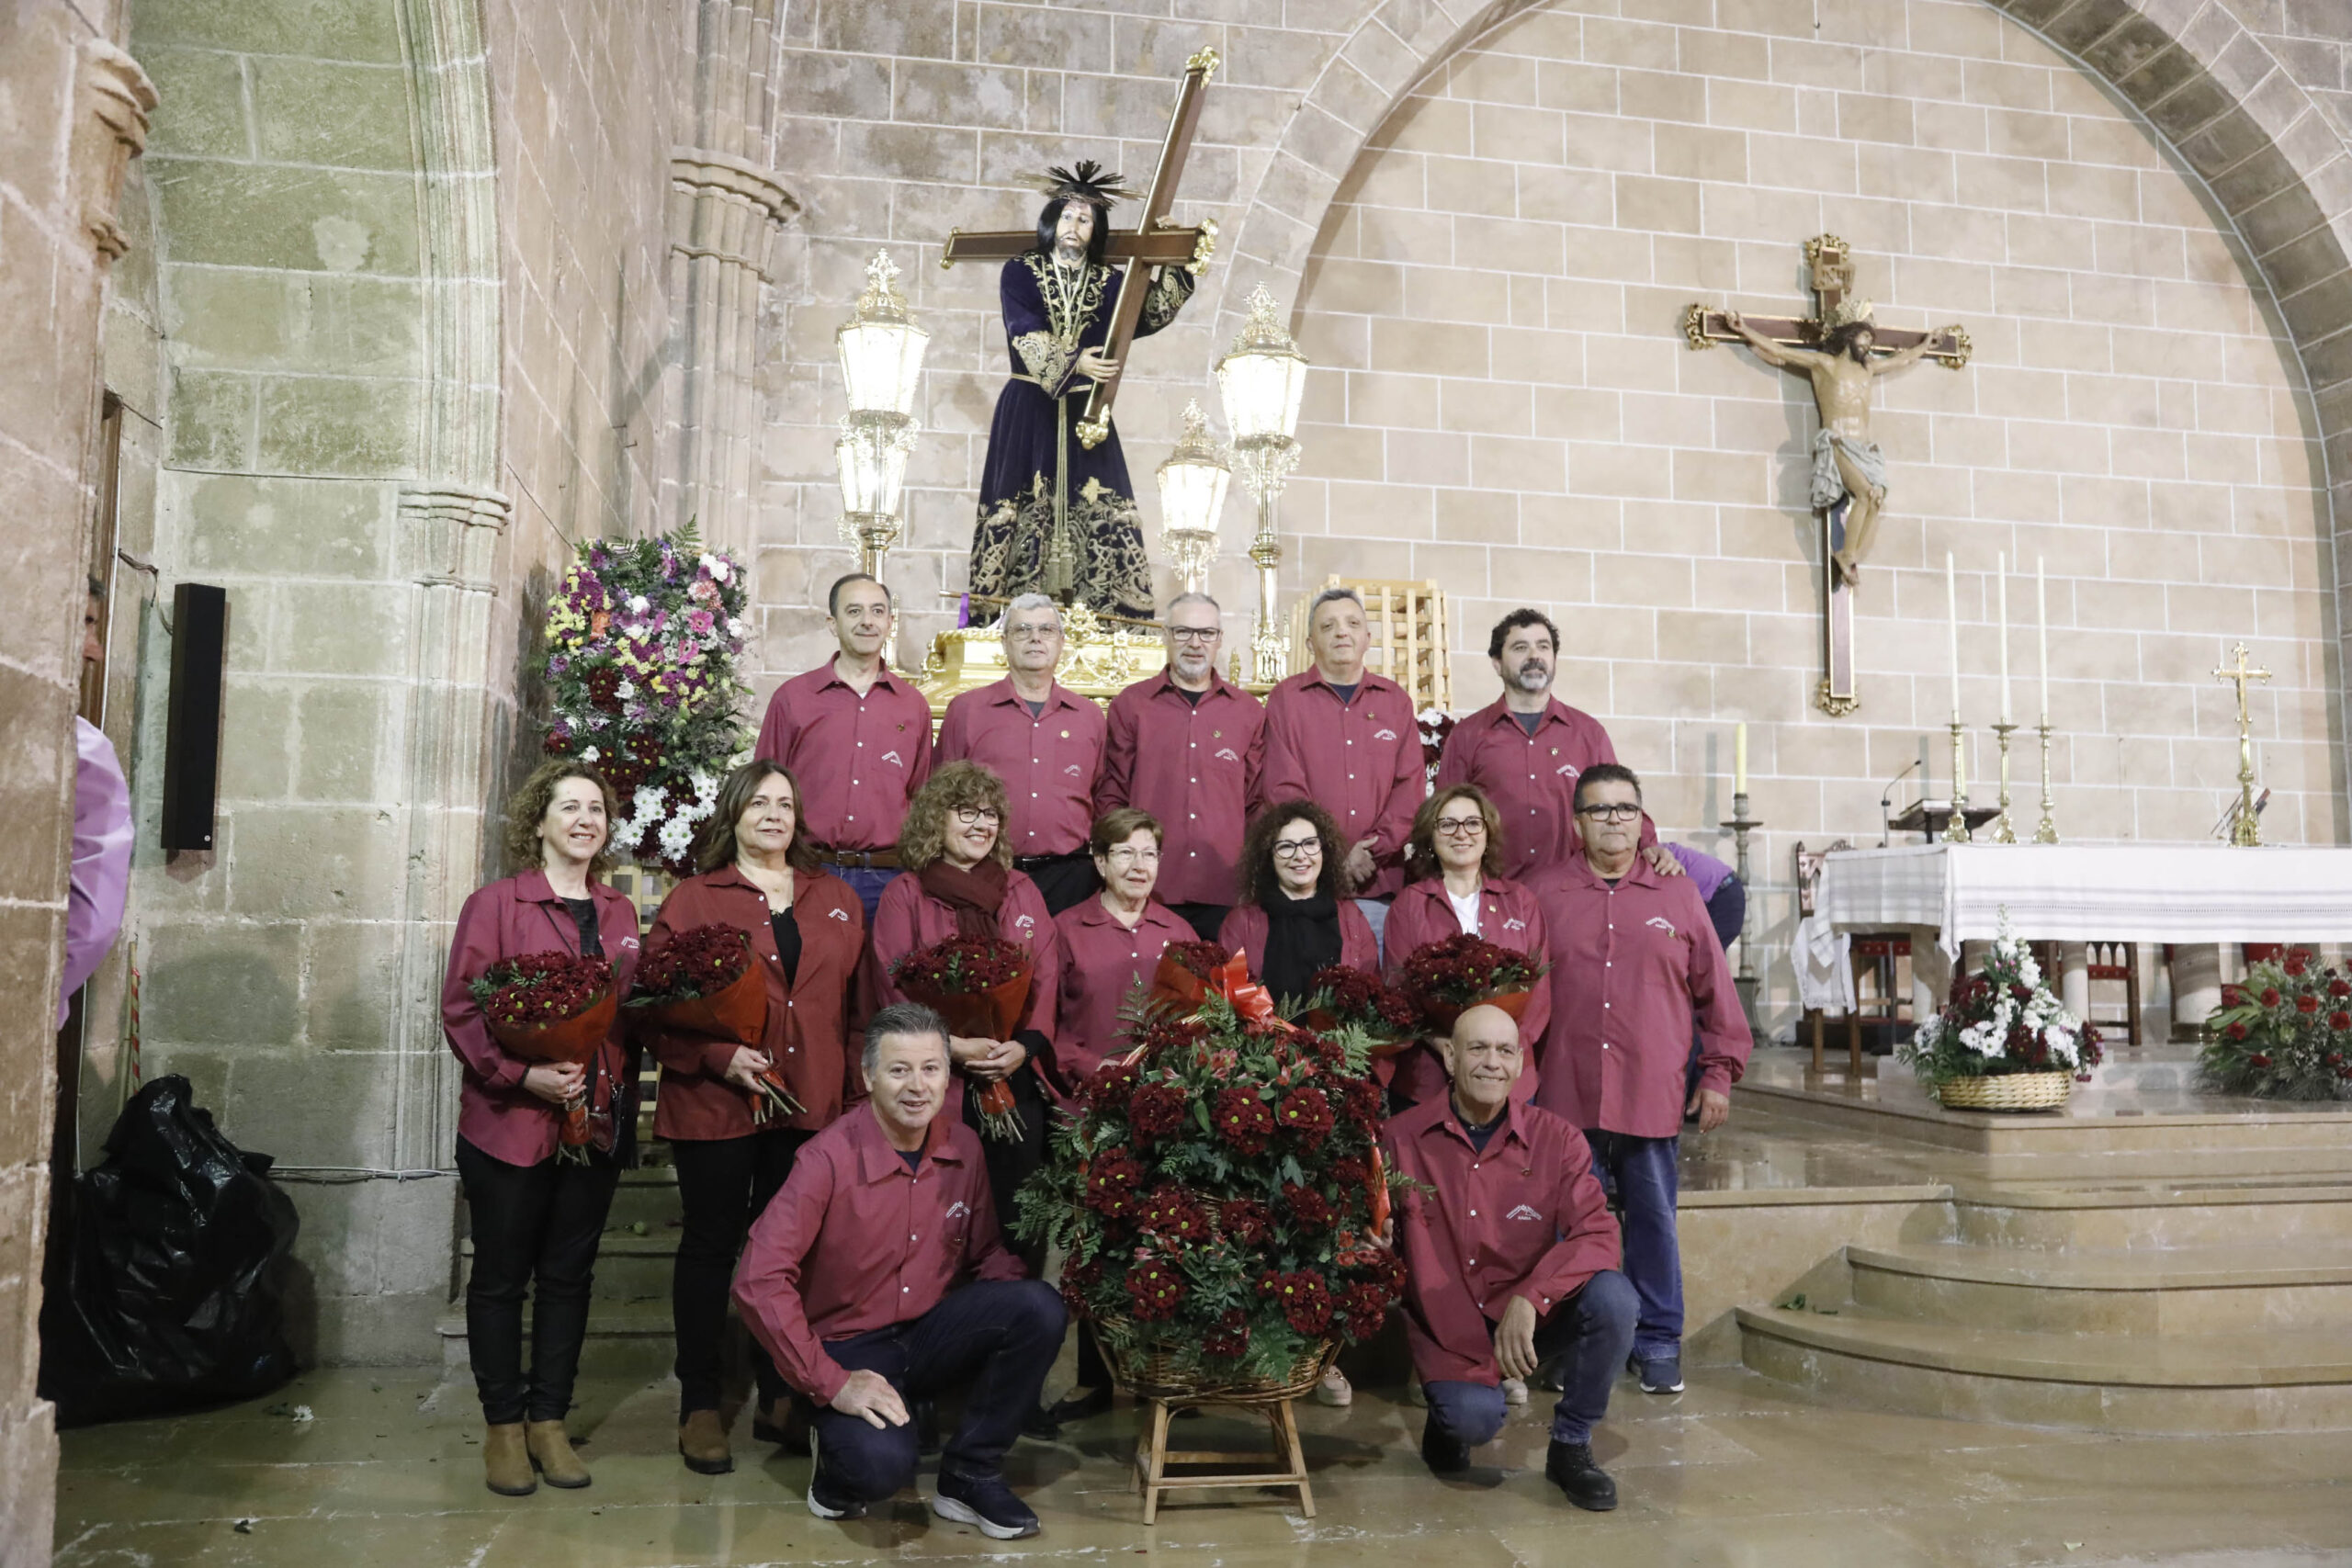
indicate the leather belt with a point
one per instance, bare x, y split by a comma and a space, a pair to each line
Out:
861, 860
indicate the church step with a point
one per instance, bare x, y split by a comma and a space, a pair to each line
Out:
647, 1196
2269, 1380
2150, 1214
2173, 1291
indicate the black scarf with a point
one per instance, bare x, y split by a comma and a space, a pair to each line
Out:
1302, 936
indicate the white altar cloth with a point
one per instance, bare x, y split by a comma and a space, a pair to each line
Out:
2180, 893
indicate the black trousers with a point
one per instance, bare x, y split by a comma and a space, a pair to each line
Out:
1206, 919
1012, 1162
723, 1185
533, 1225
1061, 882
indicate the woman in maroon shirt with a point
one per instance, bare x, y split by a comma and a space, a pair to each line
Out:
1295, 917
536, 1219
759, 874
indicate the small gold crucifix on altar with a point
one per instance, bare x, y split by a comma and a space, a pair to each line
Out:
2246, 826
1842, 350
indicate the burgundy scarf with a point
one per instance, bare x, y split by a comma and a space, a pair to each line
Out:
976, 895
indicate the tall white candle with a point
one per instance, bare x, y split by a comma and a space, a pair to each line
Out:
1739, 759
2001, 574
1951, 630
2041, 620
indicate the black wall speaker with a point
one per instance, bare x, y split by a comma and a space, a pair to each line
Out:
192, 739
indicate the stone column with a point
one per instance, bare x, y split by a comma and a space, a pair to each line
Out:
2075, 978
2196, 986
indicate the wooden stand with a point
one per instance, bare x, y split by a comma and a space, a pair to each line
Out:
1153, 1458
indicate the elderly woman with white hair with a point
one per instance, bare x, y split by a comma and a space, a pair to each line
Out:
1045, 742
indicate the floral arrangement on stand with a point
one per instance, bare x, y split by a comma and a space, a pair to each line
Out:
641, 644
703, 980
2002, 1042
2284, 1034
978, 985
1443, 979
550, 1007
1217, 1197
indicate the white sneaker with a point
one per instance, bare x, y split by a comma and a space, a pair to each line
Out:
1514, 1391
1334, 1389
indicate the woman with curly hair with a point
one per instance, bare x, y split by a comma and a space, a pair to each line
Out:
1295, 917
535, 1220
956, 879
1455, 887
760, 875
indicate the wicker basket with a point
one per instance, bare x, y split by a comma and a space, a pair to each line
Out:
1149, 1371
2008, 1091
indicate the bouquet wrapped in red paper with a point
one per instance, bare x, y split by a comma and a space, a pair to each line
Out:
1187, 972
703, 980
1444, 978
550, 1007
1345, 998
978, 985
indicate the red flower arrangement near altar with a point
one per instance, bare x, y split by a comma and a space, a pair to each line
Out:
703, 980
1445, 978
550, 1007
1217, 1196
1341, 997
978, 985
2286, 1033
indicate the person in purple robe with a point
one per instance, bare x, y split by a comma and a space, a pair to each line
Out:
1056, 516
101, 872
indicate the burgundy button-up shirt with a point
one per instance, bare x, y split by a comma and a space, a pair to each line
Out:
1632, 966
858, 758
1196, 767
855, 1242
806, 1034
1532, 779
507, 920
1360, 760
1523, 1217
1047, 761
1102, 961
1244, 931
1507, 917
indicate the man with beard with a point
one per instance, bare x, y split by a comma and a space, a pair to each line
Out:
1207, 741
1846, 462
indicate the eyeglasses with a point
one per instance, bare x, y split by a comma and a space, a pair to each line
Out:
1127, 854
1610, 813
1460, 827
1031, 634
1298, 848
1194, 634
977, 816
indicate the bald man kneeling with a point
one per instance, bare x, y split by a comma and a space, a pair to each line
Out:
1511, 1261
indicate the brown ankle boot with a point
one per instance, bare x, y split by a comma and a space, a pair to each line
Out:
702, 1443
507, 1460
551, 1454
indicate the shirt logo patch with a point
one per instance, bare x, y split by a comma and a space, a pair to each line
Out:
628, 941
1024, 922
1662, 924
1073, 770
1522, 1213
1568, 770
893, 759
959, 1209
1383, 735
1514, 924
840, 915
1227, 754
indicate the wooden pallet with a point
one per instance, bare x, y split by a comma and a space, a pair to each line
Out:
1407, 622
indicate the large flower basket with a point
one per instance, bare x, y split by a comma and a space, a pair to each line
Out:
1157, 1367
2284, 1033
2009, 1091
2002, 1043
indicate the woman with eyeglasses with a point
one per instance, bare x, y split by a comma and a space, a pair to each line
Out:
1455, 888
958, 880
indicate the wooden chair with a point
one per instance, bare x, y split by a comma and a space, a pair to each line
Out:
1872, 954
2113, 962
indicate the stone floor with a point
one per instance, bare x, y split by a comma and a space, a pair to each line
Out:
355, 1469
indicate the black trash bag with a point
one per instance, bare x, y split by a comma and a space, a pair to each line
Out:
171, 1294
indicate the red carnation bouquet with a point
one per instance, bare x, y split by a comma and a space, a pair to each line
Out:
2284, 1033
551, 1007
703, 980
978, 985
1187, 971
1341, 997
1446, 978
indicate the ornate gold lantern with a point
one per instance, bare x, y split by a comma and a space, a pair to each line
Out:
1260, 380
1191, 498
881, 351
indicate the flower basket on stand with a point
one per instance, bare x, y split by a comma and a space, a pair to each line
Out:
979, 985
2003, 1043
551, 1007
1446, 979
2284, 1033
704, 981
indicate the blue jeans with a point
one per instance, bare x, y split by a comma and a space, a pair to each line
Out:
1593, 1329
1375, 915
866, 882
1643, 1179
1001, 1336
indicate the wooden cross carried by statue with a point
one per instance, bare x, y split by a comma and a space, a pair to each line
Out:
1155, 241
1842, 350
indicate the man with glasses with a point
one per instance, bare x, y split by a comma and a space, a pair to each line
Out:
1045, 742
1205, 739
1634, 963
857, 736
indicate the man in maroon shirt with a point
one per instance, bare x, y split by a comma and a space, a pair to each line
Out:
1346, 739
1205, 739
857, 737
877, 1276
1634, 963
1510, 1261
1045, 742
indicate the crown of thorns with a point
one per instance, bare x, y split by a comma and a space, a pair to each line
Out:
1089, 182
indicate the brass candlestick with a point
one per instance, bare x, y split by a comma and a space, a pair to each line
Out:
2047, 833
1741, 825
1956, 829
2004, 830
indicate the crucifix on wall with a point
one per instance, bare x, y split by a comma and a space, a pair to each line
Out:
1842, 351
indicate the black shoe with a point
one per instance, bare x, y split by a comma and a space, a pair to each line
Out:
793, 1434
1097, 1401
1570, 1468
1040, 1426
987, 1505
925, 1414
824, 1501
1444, 1453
